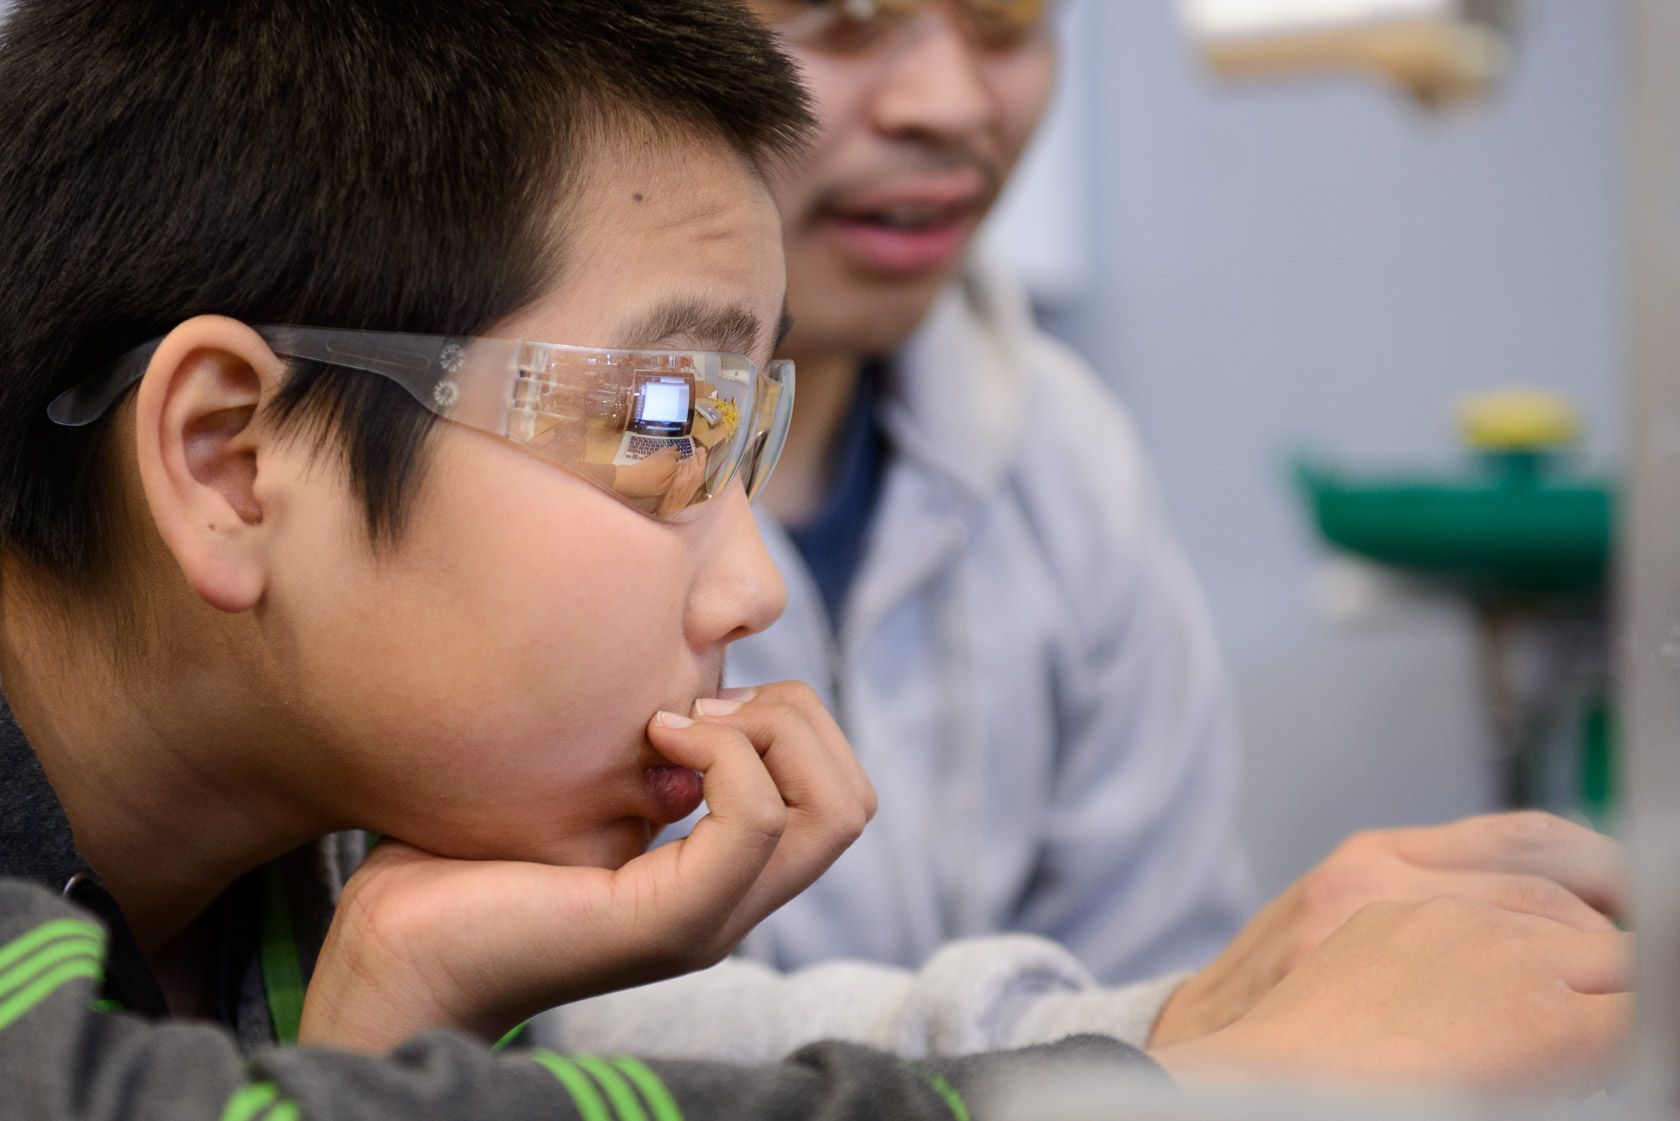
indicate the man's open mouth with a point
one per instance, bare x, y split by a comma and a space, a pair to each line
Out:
907, 226
910, 216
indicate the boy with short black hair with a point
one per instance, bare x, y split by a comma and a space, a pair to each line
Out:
253, 594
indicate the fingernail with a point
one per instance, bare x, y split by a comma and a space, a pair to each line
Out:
746, 693
715, 706
671, 719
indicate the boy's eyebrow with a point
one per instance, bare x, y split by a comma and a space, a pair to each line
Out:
702, 323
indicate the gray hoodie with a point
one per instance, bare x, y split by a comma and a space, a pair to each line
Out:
1026, 670
85, 1035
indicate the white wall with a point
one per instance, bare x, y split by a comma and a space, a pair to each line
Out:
1320, 263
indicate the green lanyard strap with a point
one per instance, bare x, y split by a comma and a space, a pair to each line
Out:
281, 973
282, 976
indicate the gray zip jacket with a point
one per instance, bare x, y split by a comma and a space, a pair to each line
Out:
84, 1033
1027, 672
61, 1058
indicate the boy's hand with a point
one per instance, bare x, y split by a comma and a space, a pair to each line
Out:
1529, 862
1447, 991
421, 941
829, 798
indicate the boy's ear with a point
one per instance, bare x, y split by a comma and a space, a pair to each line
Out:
199, 450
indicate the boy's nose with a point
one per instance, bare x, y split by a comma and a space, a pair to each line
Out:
934, 85
738, 589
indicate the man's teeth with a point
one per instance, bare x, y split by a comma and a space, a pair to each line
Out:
910, 216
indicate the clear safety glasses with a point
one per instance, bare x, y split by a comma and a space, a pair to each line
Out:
662, 430
845, 26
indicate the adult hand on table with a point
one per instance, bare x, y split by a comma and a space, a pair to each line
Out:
1527, 862
1448, 991
421, 941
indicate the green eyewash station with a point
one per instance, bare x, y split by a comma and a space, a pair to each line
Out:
1521, 534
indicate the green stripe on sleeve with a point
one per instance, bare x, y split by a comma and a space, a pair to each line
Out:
248, 1101
19, 1004
512, 1035
590, 1105
658, 1098
959, 1109
47, 932
286, 1111
623, 1098
45, 958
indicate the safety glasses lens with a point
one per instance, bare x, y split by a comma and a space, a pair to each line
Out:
775, 411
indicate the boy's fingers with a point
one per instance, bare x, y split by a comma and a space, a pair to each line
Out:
826, 812
821, 799
803, 700
729, 847
1528, 842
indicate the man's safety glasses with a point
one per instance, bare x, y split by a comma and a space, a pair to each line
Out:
661, 430
846, 26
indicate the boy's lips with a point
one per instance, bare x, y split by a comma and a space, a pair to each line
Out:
673, 792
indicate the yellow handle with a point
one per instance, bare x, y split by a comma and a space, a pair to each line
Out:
1518, 419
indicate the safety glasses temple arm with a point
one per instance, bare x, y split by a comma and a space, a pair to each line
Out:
413, 361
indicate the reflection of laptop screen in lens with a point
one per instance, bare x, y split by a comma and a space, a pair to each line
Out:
662, 406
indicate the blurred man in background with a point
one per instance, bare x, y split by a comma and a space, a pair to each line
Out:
982, 582
983, 587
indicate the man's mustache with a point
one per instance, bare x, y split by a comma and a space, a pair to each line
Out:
915, 162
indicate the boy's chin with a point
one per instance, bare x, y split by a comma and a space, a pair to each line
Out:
611, 846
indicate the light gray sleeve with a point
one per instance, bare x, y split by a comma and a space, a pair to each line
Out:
975, 995
1142, 869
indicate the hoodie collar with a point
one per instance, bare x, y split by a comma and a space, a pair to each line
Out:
36, 845
956, 405
35, 841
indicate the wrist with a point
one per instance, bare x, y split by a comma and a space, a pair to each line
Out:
1195, 1009
1223, 1056
369, 1024
366, 1001
364, 1030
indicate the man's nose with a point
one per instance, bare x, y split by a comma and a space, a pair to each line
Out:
935, 82
738, 589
